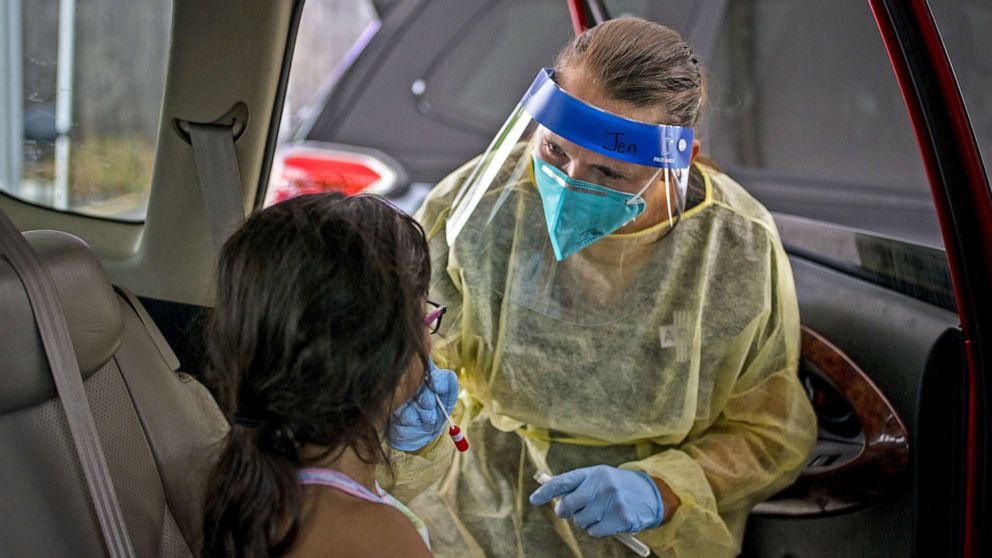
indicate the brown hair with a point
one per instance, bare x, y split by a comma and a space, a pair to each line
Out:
642, 63
318, 318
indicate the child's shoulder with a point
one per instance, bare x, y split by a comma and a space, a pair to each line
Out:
339, 526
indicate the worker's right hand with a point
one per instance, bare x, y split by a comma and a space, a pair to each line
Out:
604, 500
419, 420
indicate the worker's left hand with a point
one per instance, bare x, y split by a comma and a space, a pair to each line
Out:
604, 500
419, 420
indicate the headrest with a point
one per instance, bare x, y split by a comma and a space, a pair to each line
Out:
91, 309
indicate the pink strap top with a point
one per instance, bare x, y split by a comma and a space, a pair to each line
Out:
340, 481
344, 483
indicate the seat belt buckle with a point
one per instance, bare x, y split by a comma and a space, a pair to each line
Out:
235, 118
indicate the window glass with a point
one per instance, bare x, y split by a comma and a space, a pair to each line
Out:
637, 8
479, 81
81, 85
331, 34
805, 111
482, 80
964, 25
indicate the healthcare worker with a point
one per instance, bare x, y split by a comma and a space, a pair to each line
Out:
621, 315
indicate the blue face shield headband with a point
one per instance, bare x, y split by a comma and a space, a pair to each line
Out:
623, 139
579, 213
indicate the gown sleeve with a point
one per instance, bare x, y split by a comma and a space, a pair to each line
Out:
758, 442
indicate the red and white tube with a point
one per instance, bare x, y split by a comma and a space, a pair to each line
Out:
461, 442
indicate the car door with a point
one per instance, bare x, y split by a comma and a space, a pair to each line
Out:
806, 112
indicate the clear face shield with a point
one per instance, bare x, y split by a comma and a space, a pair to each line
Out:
561, 210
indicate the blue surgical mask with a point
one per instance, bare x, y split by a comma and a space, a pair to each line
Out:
579, 213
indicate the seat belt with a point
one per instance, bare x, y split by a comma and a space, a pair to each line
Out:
220, 183
50, 318
166, 352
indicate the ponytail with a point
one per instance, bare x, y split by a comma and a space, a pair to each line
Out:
317, 321
253, 500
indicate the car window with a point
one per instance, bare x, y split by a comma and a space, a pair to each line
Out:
331, 34
681, 16
804, 105
478, 82
81, 88
804, 110
964, 26
624, 8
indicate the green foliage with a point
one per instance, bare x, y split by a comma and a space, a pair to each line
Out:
108, 167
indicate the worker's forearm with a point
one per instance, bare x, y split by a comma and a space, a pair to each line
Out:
670, 500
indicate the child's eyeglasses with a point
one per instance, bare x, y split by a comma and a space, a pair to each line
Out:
433, 318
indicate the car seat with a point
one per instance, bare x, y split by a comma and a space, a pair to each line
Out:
158, 427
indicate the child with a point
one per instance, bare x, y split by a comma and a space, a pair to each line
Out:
317, 340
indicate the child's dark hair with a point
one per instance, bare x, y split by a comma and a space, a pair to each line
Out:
318, 318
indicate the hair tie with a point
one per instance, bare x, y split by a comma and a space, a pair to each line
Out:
248, 422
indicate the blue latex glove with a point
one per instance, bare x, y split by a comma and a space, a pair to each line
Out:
604, 500
419, 421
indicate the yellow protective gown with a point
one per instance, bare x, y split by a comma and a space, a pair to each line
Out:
696, 387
